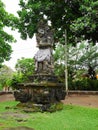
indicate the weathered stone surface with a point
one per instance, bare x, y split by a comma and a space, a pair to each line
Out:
41, 95
41, 98
22, 96
44, 57
44, 35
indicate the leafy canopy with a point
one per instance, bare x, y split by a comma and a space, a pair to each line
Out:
6, 20
79, 17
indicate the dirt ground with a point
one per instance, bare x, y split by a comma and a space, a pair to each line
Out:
80, 100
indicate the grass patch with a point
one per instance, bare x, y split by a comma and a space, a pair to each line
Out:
70, 118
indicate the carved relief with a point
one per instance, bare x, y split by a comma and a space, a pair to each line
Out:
43, 58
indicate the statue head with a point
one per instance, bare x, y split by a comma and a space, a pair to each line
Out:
44, 34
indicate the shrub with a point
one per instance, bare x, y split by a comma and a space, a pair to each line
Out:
84, 84
17, 78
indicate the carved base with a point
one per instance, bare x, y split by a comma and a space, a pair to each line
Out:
41, 92
40, 97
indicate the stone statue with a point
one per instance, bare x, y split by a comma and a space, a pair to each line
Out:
43, 90
43, 58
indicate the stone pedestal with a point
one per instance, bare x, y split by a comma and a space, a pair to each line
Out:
42, 94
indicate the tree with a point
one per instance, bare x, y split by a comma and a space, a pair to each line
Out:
6, 20
6, 74
89, 55
80, 57
80, 18
25, 66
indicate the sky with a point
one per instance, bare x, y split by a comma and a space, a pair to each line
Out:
22, 48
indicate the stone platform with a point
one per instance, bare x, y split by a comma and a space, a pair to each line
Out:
40, 95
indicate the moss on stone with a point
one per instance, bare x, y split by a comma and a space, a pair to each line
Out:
31, 107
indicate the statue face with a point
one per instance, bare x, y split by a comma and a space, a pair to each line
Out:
41, 31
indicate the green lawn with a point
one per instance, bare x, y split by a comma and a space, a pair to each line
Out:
70, 118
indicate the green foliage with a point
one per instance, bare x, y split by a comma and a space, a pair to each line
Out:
17, 78
79, 57
56, 107
83, 84
1, 87
70, 118
6, 20
6, 74
83, 55
87, 22
59, 69
25, 66
80, 18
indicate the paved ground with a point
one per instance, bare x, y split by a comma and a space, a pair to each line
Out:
81, 100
